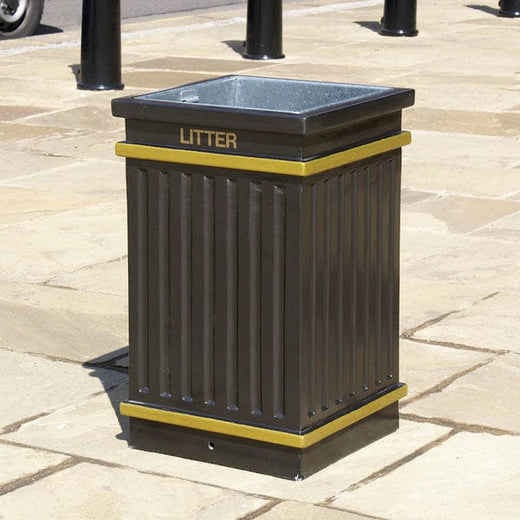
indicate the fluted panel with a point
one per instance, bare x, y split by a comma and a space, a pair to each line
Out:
252, 285
138, 277
209, 281
351, 292
278, 302
231, 294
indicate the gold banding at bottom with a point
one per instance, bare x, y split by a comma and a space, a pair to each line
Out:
259, 433
261, 164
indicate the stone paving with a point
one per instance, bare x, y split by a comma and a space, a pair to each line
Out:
63, 313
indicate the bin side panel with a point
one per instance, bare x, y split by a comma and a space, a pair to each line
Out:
350, 280
214, 293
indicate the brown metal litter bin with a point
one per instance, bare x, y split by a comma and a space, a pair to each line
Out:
263, 219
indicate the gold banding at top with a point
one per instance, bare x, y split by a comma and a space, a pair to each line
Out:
260, 433
260, 164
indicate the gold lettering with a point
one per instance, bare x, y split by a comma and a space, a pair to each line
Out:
183, 139
210, 133
231, 140
220, 140
197, 133
209, 138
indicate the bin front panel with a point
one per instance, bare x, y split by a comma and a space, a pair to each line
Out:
212, 258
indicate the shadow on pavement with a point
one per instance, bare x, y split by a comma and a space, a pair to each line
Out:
47, 29
484, 8
236, 45
103, 368
373, 26
75, 69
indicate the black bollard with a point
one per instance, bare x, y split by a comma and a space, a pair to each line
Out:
264, 30
101, 46
399, 18
509, 8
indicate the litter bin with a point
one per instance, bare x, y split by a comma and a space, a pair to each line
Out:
263, 230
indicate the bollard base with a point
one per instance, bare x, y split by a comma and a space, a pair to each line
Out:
397, 32
274, 456
509, 14
262, 57
86, 86
509, 8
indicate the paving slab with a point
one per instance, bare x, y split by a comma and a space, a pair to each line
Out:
489, 264
21, 204
18, 462
12, 113
19, 135
20, 90
439, 174
418, 242
200, 65
479, 151
32, 385
88, 144
469, 476
89, 491
424, 300
456, 214
465, 121
94, 429
493, 323
159, 80
16, 163
37, 250
106, 278
88, 117
68, 324
77, 326
507, 228
486, 93
423, 367
100, 180
484, 397
298, 511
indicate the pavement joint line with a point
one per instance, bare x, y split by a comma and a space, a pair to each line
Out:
383, 472
493, 222
458, 427
32, 478
457, 346
433, 321
91, 364
262, 510
13, 427
449, 380
351, 511
80, 459
410, 332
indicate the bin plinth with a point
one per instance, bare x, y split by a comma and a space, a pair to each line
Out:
263, 219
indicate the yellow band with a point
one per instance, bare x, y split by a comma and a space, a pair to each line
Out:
259, 433
259, 164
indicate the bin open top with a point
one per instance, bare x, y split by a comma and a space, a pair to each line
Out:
281, 105
276, 95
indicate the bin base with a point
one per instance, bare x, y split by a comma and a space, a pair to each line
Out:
261, 457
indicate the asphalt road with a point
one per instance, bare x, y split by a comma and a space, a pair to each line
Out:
64, 14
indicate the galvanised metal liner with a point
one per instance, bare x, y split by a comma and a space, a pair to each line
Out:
263, 219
